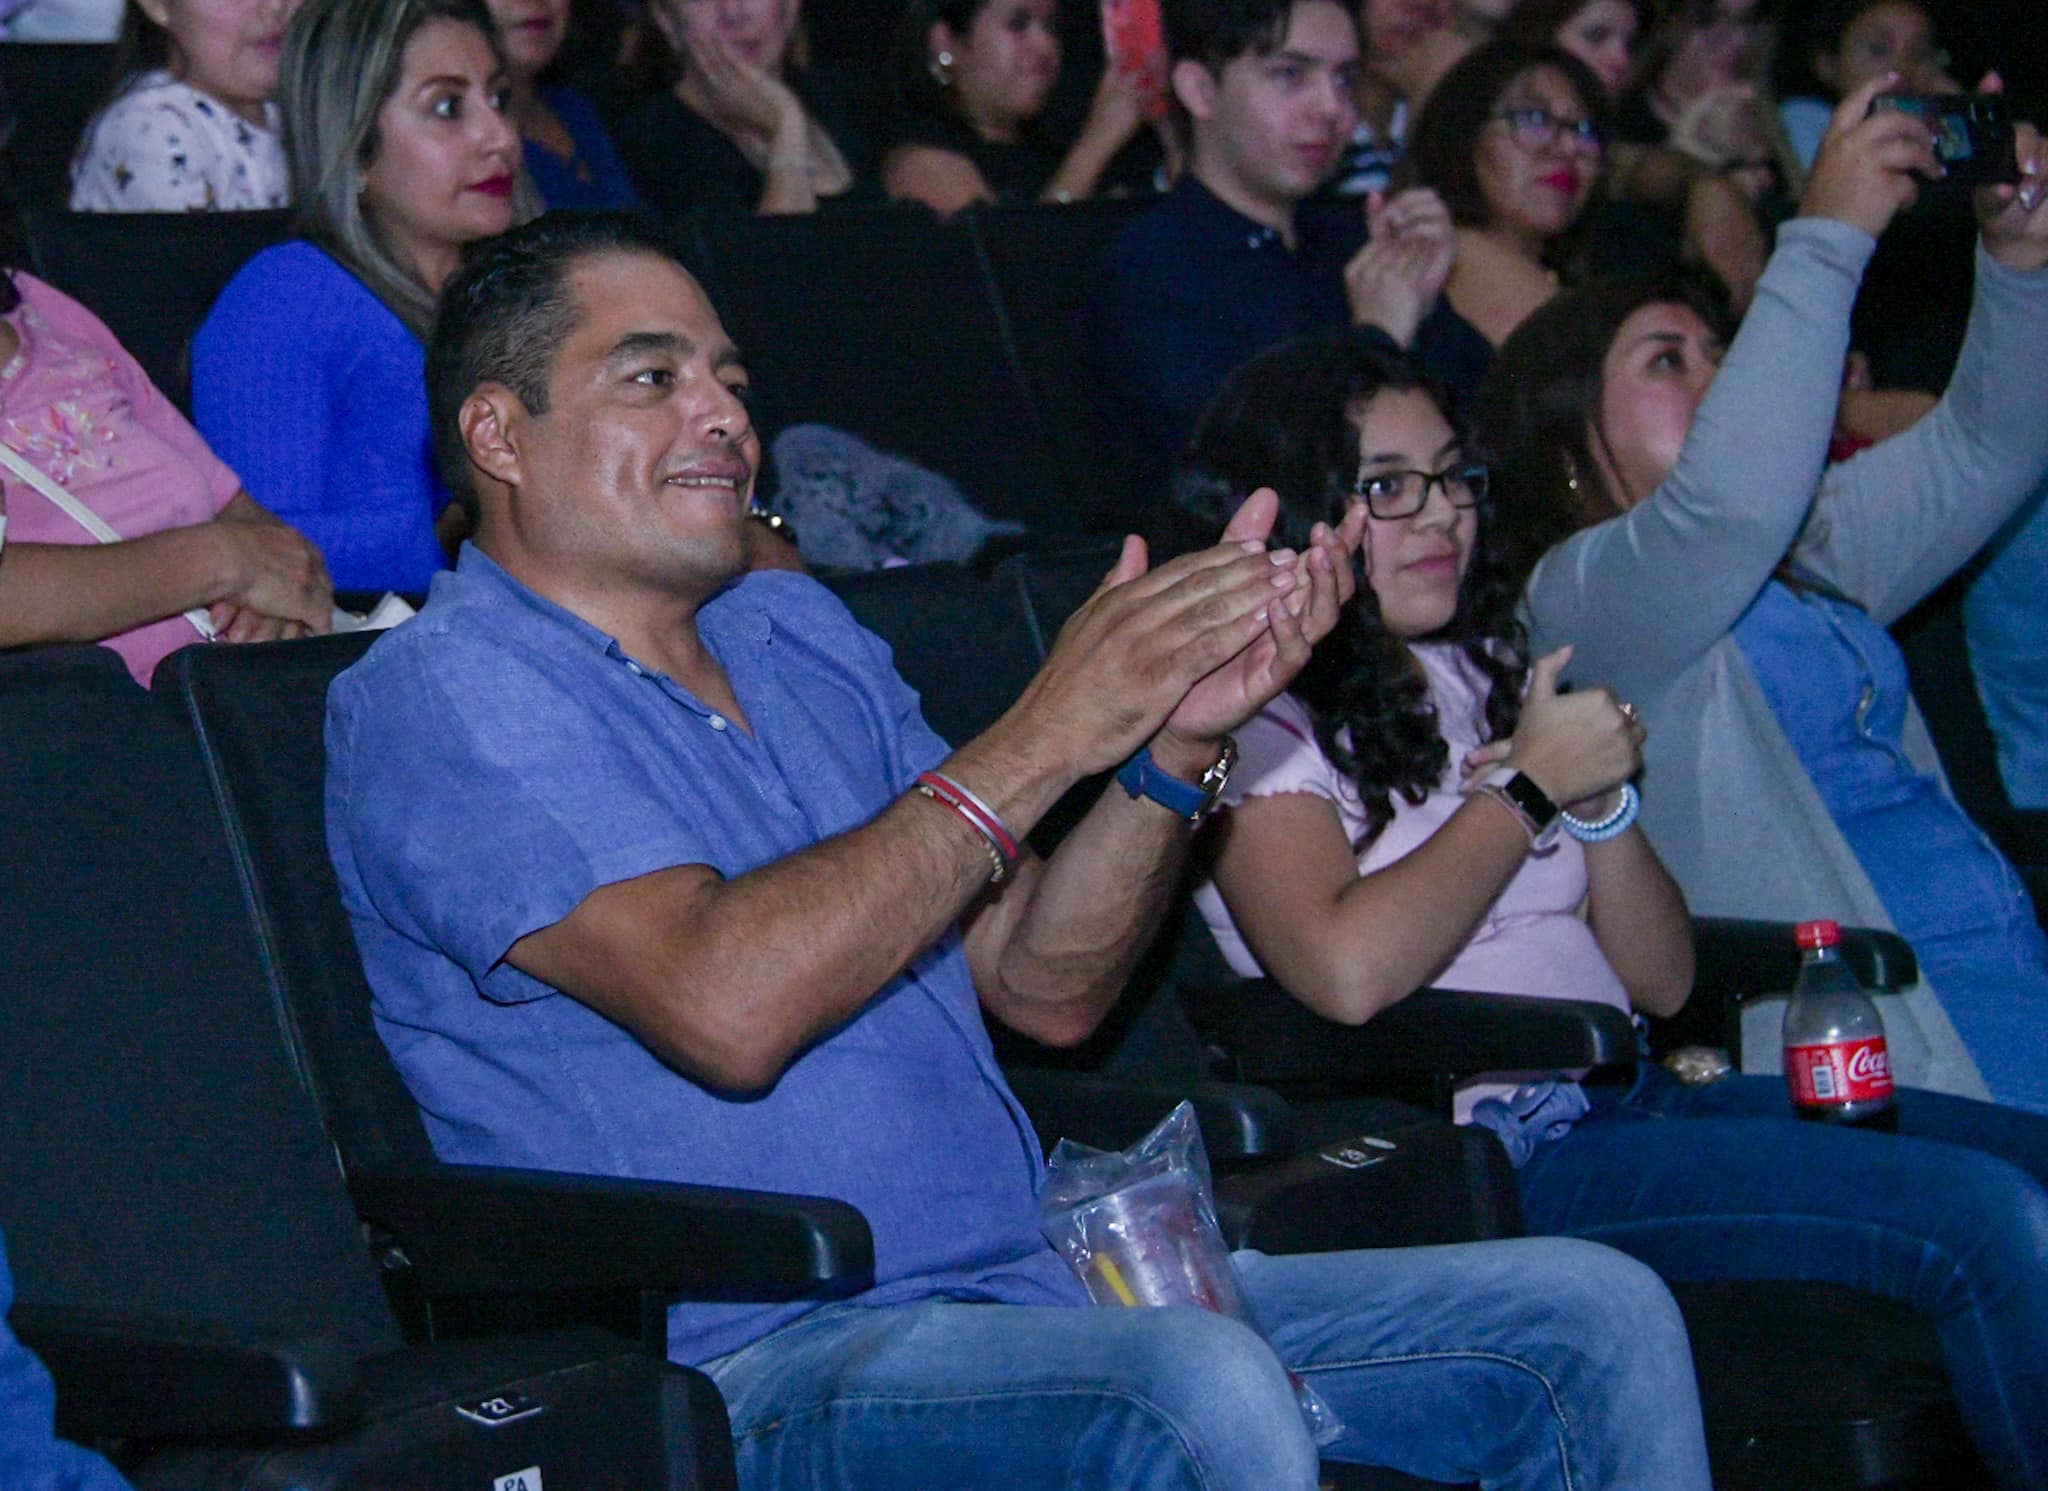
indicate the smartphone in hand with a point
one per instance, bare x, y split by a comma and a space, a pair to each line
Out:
1973, 136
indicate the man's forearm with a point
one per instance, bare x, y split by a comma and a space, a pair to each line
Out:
1053, 971
729, 980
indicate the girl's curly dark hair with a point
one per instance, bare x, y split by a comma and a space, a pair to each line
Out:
1289, 419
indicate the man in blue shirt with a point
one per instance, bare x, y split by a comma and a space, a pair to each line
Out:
645, 884
1237, 258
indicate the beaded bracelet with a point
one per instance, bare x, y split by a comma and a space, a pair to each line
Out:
1613, 826
1001, 843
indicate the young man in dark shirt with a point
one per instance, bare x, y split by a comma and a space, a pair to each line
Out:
1236, 258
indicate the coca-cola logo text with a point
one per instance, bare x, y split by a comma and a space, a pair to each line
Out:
1870, 1064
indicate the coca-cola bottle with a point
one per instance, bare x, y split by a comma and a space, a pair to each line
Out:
1835, 1058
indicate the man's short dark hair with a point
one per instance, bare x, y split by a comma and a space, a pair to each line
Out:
506, 313
1216, 32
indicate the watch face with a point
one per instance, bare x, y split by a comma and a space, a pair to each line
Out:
1218, 775
1531, 799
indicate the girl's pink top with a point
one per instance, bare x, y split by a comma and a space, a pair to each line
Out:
1532, 940
85, 414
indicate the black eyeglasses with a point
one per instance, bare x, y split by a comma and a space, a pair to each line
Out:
1532, 127
1402, 494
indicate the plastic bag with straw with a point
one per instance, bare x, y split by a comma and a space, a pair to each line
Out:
1139, 1228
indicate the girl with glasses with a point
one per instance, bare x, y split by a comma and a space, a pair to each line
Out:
1394, 821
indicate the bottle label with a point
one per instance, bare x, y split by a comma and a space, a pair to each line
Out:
1848, 1072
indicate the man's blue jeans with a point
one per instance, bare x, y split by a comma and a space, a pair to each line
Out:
1533, 1363
1948, 1216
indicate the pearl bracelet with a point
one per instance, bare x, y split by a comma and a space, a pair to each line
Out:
1613, 825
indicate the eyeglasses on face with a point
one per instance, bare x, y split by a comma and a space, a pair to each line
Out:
1532, 127
1402, 494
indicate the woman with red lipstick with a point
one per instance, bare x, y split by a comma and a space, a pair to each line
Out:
972, 81
309, 368
568, 154
740, 125
1663, 201
1384, 828
192, 127
1513, 141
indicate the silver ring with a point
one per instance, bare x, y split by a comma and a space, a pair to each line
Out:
1628, 712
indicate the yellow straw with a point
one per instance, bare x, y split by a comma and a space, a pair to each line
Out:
1106, 1266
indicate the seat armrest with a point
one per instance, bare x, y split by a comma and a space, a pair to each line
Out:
1450, 1030
1238, 1122
1391, 1185
473, 1229
142, 1379
1433, 1033
1738, 960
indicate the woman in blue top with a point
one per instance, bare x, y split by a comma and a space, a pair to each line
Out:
32, 1458
307, 376
568, 153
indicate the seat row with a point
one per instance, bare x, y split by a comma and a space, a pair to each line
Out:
199, 1127
957, 345
200, 1133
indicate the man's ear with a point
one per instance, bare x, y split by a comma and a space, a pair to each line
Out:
1195, 86
490, 420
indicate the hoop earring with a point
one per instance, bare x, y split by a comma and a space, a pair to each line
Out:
941, 69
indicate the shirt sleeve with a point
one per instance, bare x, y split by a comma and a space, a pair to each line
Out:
1898, 519
466, 818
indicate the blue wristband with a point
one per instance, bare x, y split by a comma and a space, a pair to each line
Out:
1613, 826
1141, 776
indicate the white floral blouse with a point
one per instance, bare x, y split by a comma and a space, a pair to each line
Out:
163, 146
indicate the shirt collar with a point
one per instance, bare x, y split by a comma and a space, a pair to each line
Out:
1225, 219
734, 615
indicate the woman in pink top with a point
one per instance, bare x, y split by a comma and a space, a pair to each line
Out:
1392, 823
1405, 781
81, 413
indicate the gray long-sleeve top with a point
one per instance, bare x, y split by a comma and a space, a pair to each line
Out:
1649, 599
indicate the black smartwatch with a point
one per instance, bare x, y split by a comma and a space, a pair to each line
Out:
1529, 802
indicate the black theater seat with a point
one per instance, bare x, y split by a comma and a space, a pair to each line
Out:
151, 276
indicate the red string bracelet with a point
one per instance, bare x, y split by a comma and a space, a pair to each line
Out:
1002, 844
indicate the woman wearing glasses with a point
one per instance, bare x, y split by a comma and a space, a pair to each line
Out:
1381, 832
1512, 141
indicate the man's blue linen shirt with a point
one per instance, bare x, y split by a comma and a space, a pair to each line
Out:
497, 759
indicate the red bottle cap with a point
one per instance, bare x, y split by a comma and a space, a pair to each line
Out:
1818, 934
